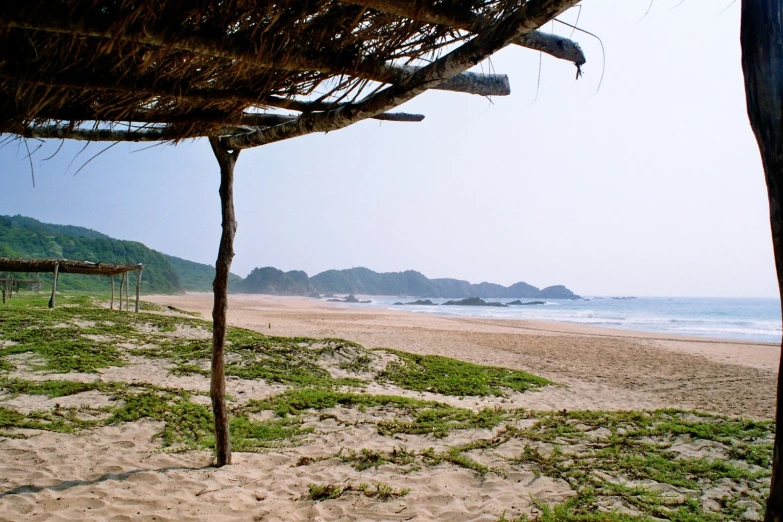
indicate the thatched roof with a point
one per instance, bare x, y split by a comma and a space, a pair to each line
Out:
147, 70
65, 266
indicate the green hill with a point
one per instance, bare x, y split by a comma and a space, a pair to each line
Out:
26, 237
363, 281
197, 277
269, 280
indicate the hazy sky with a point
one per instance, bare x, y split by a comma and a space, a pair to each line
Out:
652, 186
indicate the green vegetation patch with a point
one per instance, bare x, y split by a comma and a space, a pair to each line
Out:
85, 338
381, 491
51, 389
414, 416
658, 465
187, 424
436, 374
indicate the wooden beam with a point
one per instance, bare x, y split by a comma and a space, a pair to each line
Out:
111, 306
520, 22
557, 46
484, 85
217, 390
216, 117
66, 266
761, 31
163, 134
61, 132
52, 300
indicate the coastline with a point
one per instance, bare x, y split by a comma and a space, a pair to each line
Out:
601, 367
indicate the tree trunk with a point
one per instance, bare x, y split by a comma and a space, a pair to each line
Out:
54, 285
217, 390
761, 34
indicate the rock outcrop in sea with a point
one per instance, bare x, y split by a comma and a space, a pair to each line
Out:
473, 301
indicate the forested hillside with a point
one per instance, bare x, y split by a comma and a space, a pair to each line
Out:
197, 277
363, 281
26, 237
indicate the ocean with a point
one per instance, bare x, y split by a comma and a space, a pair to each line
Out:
743, 319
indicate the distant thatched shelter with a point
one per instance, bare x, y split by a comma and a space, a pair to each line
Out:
67, 266
166, 70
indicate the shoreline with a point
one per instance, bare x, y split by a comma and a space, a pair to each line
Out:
610, 368
529, 324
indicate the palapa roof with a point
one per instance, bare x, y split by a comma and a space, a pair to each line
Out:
64, 266
151, 70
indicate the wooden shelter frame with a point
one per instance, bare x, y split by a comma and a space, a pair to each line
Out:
396, 49
10, 284
72, 70
67, 266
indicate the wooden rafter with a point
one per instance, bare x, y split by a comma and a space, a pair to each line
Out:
248, 121
526, 19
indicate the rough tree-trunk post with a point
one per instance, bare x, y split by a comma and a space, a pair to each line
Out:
217, 390
54, 285
127, 291
761, 34
122, 282
111, 307
138, 287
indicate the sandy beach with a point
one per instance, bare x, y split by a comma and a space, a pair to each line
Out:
603, 368
121, 472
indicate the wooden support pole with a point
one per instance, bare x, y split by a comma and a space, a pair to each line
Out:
111, 306
217, 390
138, 287
52, 300
127, 291
761, 32
122, 282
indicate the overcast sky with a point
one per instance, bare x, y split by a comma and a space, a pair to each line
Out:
651, 186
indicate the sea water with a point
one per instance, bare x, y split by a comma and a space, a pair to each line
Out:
745, 319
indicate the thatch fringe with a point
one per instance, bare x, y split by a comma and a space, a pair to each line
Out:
551, 44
